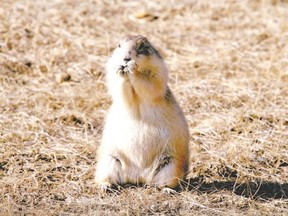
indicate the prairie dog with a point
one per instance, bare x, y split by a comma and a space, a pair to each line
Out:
145, 138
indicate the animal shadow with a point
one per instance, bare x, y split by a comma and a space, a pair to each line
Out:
255, 190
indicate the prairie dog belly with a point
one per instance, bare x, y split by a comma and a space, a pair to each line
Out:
136, 143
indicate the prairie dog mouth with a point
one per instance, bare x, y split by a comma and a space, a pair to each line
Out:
123, 69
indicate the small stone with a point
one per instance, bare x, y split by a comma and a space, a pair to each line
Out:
63, 77
43, 68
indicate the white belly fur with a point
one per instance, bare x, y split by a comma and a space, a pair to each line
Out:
137, 144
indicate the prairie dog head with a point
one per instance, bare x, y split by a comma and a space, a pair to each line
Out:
136, 61
136, 49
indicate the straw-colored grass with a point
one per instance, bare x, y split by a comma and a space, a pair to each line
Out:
229, 72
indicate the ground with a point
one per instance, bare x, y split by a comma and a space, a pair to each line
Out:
228, 64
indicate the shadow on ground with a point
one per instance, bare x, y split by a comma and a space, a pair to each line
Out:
254, 190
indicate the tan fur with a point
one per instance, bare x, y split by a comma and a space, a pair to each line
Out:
145, 139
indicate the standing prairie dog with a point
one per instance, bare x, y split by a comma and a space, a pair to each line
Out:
145, 138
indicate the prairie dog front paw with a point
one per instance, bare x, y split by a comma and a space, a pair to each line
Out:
121, 70
131, 67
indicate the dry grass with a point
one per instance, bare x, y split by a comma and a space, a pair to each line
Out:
229, 71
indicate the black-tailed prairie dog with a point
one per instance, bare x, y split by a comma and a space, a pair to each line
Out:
145, 138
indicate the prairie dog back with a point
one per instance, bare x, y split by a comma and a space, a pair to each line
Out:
145, 138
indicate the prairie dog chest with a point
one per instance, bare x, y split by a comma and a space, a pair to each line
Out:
149, 132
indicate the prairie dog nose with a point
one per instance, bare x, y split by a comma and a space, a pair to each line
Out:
127, 59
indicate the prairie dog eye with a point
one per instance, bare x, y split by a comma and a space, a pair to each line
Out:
141, 46
143, 49
119, 46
